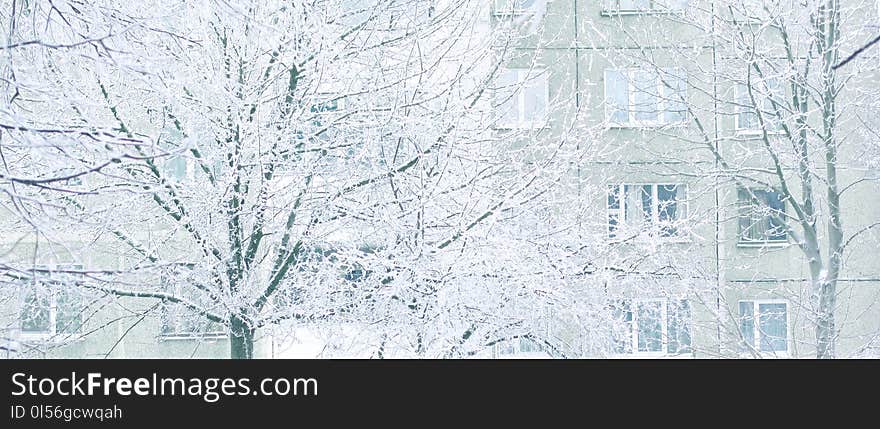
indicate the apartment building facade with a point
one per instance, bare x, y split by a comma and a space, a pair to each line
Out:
683, 182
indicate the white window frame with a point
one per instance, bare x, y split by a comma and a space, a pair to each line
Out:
612, 7
756, 329
631, 95
740, 242
523, 77
664, 334
52, 334
655, 211
740, 109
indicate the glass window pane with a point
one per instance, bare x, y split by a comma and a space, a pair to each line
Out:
650, 326
647, 196
747, 322
773, 329
678, 330
634, 213
674, 92
747, 119
621, 330
775, 92
35, 312
616, 94
776, 227
668, 213
506, 98
535, 100
68, 318
645, 96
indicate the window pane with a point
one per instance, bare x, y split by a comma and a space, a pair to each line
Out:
668, 213
645, 96
773, 329
613, 209
536, 100
35, 312
747, 322
761, 214
775, 92
614, 197
678, 331
621, 330
647, 197
746, 117
650, 326
674, 96
634, 213
776, 228
616, 94
68, 318
506, 98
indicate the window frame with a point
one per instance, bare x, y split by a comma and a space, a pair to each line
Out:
52, 334
740, 242
679, 236
633, 330
523, 76
756, 330
662, 102
609, 9
741, 109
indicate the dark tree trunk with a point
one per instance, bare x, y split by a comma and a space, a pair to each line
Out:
241, 339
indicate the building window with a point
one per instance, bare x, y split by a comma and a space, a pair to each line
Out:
651, 326
52, 304
521, 99
642, 6
644, 98
180, 321
654, 209
764, 92
764, 325
761, 216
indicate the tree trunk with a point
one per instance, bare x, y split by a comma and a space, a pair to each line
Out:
241, 339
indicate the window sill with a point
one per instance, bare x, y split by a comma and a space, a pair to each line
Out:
650, 239
762, 244
752, 133
646, 125
201, 337
521, 127
647, 355
516, 12
624, 12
